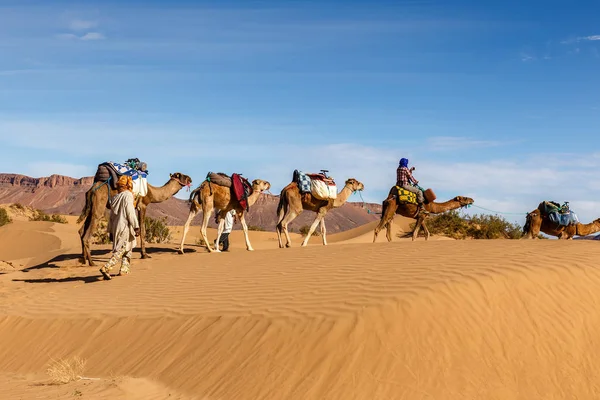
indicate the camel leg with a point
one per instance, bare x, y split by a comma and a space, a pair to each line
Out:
206, 212
84, 234
289, 217
316, 222
279, 227
99, 199
245, 228
417, 227
388, 231
220, 230
426, 230
324, 232
142, 218
387, 215
186, 227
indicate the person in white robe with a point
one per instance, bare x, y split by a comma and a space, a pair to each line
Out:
123, 227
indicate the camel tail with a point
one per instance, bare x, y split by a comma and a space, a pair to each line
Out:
87, 207
195, 198
280, 215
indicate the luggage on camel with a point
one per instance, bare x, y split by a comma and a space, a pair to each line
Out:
321, 186
560, 215
109, 173
219, 178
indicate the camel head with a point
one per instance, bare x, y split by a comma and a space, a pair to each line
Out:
258, 185
354, 185
464, 201
182, 179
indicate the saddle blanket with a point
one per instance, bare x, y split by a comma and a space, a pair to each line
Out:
564, 219
303, 181
139, 178
560, 215
241, 189
406, 196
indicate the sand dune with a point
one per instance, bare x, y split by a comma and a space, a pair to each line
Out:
440, 319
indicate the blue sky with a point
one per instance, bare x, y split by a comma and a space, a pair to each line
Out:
499, 101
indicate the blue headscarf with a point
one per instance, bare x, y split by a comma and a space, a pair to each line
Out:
404, 162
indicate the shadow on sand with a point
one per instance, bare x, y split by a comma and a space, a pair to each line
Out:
84, 279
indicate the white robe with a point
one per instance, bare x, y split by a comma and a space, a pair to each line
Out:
123, 221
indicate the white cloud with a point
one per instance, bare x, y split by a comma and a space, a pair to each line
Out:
592, 37
582, 39
93, 36
81, 25
527, 57
87, 36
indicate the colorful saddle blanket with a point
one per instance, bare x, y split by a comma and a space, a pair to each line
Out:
241, 188
115, 170
405, 196
302, 180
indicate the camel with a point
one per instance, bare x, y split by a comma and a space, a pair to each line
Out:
390, 207
209, 196
96, 201
537, 221
292, 203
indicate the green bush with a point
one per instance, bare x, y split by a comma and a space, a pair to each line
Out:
304, 231
4, 217
39, 215
256, 228
452, 224
157, 230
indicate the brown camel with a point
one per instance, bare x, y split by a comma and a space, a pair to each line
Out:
96, 201
292, 203
538, 220
209, 196
391, 207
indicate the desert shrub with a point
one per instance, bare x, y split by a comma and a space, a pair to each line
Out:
66, 370
39, 215
453, 225
101, 235
4, 217
304, 231
157, 230
18, 206
256, 228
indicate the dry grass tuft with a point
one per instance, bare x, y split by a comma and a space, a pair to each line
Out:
66, 370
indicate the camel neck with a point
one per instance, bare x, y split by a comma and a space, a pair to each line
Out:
342, 196
163, 193
253, 197
437, 208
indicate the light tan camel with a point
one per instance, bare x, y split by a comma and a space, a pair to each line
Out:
209, 196
390, 207
538, 220
96, 201
292, 203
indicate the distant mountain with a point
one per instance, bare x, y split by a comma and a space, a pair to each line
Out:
59, 194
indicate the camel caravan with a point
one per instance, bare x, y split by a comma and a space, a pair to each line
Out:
317, 192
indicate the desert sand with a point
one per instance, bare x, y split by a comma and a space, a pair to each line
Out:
442, 319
